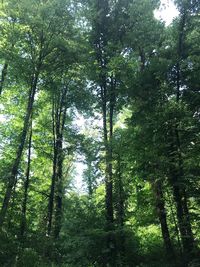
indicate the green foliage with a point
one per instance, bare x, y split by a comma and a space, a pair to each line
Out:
111, 61
28, 257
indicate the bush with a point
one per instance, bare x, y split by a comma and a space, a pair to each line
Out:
28, 257
8, 249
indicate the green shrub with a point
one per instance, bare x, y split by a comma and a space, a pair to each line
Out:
28, 258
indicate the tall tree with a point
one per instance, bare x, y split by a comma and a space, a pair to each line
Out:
59, 109
35, 46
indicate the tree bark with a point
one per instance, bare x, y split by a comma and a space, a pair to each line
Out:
174, 218
59, 110
120, 193
180, 196
161, 211
108, 172
183, 216
3, 76
59, 175
53, 179
120, 215
26, 187
59, 188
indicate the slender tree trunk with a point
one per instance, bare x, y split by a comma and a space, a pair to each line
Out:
120, 195
108, 97
171, 202
53, 179
180, 196
26, 187
108, 152
15, 166
142, 59
109, 179
110, 257
183, 218
3, 76
59, 189
12, 207
120, 208
108, 185
160, 205
56, 193
59, 179
187, 219
89, 180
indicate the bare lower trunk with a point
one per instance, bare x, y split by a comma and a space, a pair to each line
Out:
108, 171
120, 214
171, 205
183, 221
160, 205
56, 193
59, 178
53, 179
59, 190
180, 196
51, 196
26, 187
120, 193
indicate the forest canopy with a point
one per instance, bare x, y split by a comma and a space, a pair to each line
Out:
133, 83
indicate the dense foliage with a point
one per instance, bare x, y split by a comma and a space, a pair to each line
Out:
134, 84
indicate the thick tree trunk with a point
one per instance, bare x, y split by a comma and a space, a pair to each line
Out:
160, 205
26, 187
15, 166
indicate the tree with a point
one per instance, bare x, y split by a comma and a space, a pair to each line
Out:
37, 46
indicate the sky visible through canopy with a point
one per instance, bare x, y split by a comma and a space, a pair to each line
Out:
167, 12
